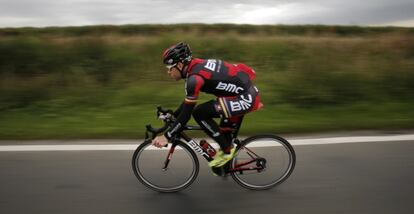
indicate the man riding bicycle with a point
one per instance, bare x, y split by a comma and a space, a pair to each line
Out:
231, 83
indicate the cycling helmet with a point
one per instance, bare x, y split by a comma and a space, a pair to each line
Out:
180, 52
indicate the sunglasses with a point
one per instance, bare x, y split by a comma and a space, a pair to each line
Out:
171, 66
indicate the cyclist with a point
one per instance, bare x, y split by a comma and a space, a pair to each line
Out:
231, 83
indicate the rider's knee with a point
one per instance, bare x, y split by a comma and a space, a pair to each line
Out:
205, 111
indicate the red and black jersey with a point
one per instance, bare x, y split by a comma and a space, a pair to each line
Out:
217, 77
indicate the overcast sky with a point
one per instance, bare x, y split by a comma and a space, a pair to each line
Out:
40, 13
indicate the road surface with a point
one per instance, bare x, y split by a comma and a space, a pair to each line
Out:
368, 177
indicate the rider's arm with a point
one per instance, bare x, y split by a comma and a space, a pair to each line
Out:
178, 111
193, 85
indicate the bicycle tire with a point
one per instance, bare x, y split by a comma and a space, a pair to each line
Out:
288, 171
142, 178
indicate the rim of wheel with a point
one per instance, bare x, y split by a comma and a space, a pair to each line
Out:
286, 173
188, 180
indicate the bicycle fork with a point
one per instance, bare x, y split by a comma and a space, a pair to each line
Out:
169, 156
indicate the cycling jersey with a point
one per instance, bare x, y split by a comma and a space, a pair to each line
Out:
217, 77
231, 83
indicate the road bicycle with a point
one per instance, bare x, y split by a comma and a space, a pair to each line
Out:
260, 162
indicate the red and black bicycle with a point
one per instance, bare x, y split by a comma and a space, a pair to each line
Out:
260, 162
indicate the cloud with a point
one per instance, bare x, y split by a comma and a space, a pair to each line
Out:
16, 13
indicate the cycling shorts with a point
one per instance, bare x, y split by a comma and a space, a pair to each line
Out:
239, 105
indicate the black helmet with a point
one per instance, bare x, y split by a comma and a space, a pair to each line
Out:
180, 52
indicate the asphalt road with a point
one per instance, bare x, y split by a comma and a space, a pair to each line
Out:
375, 177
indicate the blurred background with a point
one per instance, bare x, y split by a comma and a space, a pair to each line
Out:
105, 81
104, 77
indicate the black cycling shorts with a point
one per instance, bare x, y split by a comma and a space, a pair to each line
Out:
240, 104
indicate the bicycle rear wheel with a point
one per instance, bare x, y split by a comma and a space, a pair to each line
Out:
148, 163
277, 160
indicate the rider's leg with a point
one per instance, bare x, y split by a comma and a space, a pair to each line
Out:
229, 125
204, 114
229, 108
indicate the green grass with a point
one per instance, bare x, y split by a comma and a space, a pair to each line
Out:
129, 121
122, 113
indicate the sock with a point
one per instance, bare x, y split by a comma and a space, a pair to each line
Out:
227, 150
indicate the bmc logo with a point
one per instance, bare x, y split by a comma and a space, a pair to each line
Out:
197, 148
229, 87
242, 104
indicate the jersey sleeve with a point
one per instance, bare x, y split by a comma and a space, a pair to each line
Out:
183, 113
192, 88
182, 119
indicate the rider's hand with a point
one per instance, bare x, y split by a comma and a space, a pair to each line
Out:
160, 141
164, 116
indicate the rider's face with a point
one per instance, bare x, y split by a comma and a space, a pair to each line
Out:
174, 72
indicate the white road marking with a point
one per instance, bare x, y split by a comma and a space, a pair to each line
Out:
123, 147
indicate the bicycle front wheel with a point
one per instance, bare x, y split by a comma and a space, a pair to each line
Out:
271, 157
148, 163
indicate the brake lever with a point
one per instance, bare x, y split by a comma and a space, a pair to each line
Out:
160, 110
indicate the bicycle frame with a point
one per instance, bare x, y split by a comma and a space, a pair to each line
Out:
246, 160
196, 147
